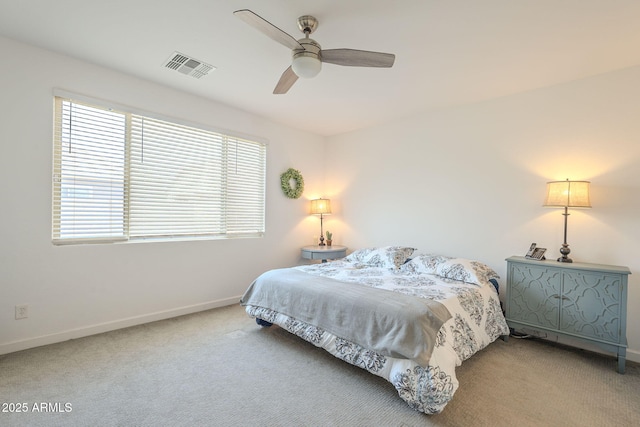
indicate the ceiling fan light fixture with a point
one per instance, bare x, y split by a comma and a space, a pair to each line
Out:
307, 55
306, 65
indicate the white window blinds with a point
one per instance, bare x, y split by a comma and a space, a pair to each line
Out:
89, 195
125, 176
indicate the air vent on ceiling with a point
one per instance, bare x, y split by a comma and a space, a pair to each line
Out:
189, 66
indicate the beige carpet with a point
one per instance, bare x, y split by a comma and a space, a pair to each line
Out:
218, 368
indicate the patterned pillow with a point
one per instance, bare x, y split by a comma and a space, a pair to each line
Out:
386, 257
461, 269
426, 264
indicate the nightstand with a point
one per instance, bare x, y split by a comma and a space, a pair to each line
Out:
587, 302
324, 252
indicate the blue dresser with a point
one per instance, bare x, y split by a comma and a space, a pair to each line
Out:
587, 302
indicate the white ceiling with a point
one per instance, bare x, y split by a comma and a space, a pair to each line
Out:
447, 52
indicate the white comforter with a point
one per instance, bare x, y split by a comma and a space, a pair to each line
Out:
476, 321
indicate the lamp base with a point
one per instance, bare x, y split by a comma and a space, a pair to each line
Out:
321, 241
564, 250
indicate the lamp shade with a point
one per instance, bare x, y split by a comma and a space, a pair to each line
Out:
320, 206
568, 194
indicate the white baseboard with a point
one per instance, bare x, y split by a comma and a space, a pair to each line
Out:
633, 356
70, 334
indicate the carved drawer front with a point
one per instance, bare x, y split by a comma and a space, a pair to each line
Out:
591, 305
533, 295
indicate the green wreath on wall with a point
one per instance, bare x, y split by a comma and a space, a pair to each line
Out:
292, 191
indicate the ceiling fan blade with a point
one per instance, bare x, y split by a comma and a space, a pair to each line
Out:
267, 28
287, 80
357, 58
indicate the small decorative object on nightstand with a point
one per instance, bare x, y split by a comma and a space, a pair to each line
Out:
587, 302
324, 252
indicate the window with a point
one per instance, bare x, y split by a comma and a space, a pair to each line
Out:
123, 176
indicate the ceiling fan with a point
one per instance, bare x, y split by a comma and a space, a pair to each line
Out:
307, 55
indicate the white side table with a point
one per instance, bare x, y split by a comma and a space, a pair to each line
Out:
324, 252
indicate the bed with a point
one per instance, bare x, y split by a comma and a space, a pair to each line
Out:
410, 320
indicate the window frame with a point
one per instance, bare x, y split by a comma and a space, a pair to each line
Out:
260, 145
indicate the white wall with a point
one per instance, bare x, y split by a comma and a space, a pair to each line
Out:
77, 290
470, 181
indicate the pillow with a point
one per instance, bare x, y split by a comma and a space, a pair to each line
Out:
386, 257
461, 269
425, 263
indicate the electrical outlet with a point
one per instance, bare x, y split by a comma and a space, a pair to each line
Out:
22, 311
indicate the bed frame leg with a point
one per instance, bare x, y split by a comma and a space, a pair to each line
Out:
263, 322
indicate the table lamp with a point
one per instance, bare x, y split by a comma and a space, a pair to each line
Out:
321, 207
567, 194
